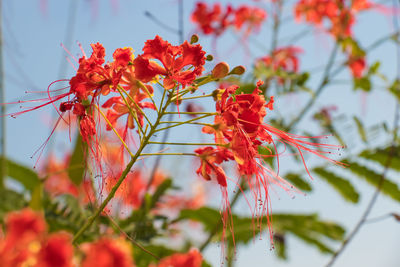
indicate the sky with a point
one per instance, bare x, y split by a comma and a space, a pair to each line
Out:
33, 58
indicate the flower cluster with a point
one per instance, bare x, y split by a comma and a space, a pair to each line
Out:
106, 92
240, 131
284, 58
340, 14
215, 20
28, 243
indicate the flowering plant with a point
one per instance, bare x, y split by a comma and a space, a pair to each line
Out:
102, 205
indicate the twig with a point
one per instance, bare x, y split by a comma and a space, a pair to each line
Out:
3, 162
374, 197
131, 239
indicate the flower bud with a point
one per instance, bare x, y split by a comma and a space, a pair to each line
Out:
220, 70
194, 39
209, 58
238, 70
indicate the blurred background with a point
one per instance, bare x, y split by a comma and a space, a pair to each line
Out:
33, 58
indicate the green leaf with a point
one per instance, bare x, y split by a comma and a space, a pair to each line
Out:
280, 246
362, 83
268, 155
373, 69
76, 167
298, 182
144, 259
307, 227
37, 197
10, 201
161, 189
26, 176
342, 186
66, 213
381, 156
361, 129
395, 89
388, 187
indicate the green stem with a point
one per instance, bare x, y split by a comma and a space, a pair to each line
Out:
147, 91
192, 113
194, 123
133, 113
168, 154
137, 244
122, 177
195, 97
92, 218
3, 162
188, 144
184, 122
325, 80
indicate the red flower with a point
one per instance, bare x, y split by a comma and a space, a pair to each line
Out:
209, 158
283, 58
24, 229
212, 20
108, 253
180, 64
191, 259
239, 125
340, 15
57, 250
252, 17
118, 108
58, 181
357, 66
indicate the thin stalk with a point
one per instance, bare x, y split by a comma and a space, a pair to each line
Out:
133, 113
325, 80
115, 131
194, 123
120, 88
218, 225
374, 198
188, 144
276, 25
178, 96
168, 154
192, 113
183, 122
137, 244
92, 218
147, 91
122, 177
3, 161
195, 97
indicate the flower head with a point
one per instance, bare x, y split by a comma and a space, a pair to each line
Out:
212, 20
180, 64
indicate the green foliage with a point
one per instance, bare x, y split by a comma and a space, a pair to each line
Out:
381, 156
144, 259
361, 129
395, 89
76, 168
36, 202
298, 182
26, 176
341, 185
140, 224
306, 227
66, 213
10, 201
387, 187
